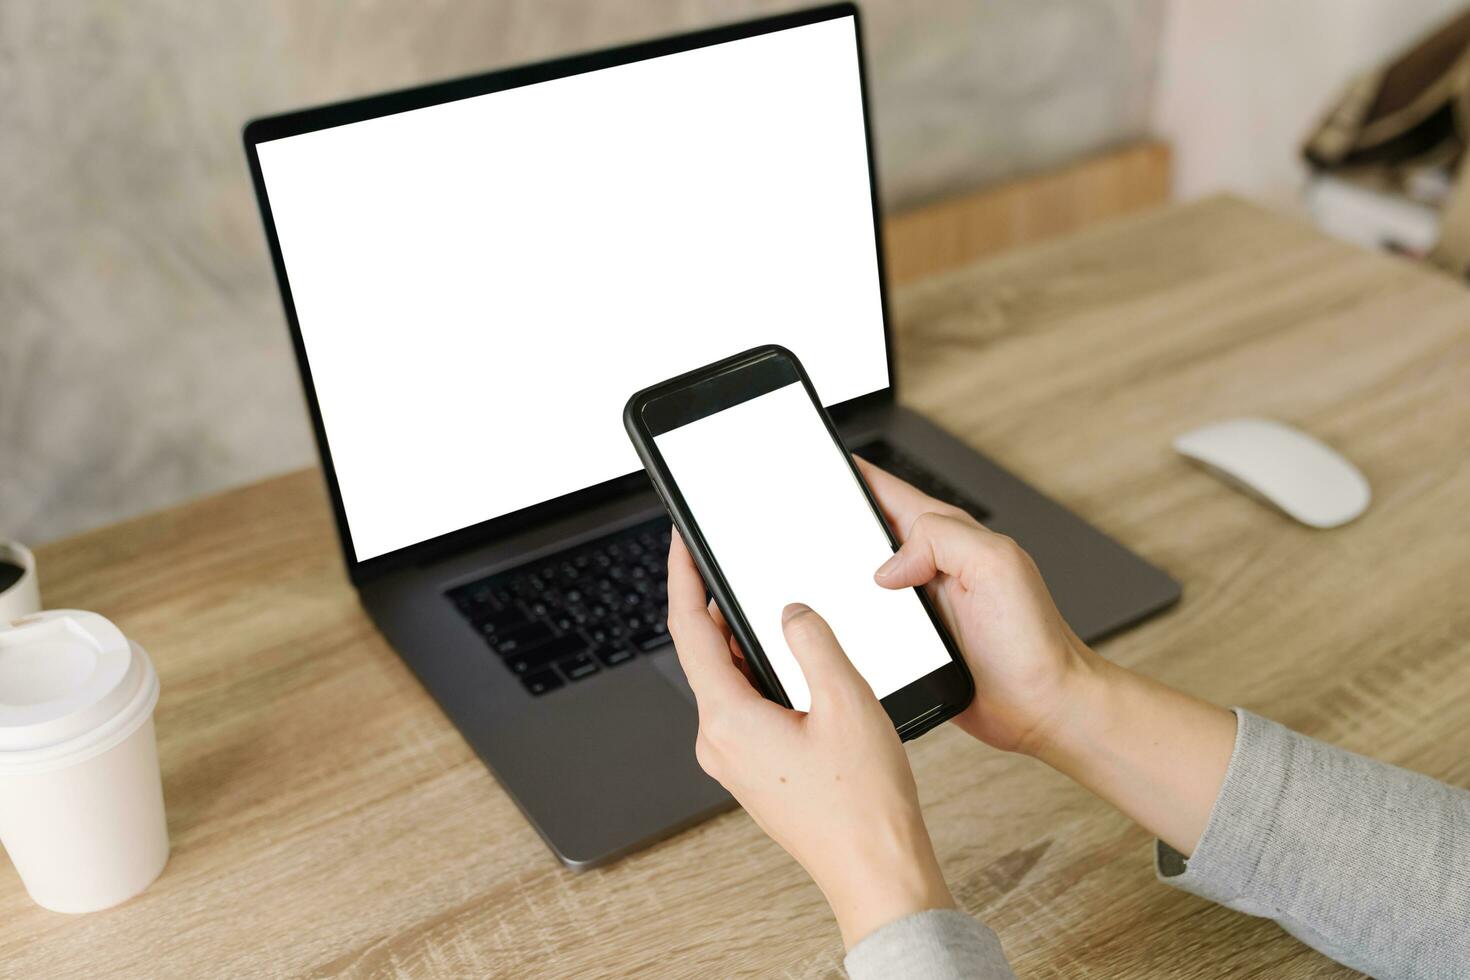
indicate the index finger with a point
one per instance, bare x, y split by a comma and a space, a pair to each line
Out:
703, 650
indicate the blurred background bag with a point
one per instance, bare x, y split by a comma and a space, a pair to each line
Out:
1402, 130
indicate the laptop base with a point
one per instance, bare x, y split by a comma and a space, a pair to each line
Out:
605, 765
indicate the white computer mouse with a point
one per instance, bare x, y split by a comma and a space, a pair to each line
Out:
1283, 466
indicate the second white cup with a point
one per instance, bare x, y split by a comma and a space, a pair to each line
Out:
81, 801
19, 596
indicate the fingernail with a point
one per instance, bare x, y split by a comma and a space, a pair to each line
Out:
887, 568
793, 610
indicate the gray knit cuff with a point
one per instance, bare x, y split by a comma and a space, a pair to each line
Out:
1241, 822
940, 944
1364, 861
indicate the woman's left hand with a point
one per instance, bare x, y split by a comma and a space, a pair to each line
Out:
832, 785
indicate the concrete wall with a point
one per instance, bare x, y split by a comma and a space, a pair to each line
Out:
143, 357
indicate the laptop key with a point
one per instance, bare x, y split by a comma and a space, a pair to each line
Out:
612, 654
650, 639
472, 602
517, 640
501, 622
578, 667
544, 654
541, 682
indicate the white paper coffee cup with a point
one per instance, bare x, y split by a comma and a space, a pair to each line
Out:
81, 802
24, 595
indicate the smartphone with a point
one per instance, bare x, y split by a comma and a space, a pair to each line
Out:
774, 511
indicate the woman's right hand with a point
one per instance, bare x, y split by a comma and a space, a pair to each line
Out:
1024, 658
1155, 753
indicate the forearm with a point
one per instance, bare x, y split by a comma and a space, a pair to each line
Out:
1157, 754
1366, 862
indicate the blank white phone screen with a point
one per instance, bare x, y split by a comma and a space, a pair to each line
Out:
785, 519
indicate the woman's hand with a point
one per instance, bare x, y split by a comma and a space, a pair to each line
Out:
832, 786
1155, 753
1025, 660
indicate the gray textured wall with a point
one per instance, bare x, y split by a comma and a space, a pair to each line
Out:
143, 357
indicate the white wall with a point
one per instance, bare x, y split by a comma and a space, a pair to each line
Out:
1242, 81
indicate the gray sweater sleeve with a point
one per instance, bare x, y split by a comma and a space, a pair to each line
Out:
1364, 861
941, 944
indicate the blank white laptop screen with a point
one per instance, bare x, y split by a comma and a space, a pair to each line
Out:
480, 285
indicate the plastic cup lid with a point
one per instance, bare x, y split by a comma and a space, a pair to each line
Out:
64, 674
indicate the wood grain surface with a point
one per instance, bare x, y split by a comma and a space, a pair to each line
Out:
328, 821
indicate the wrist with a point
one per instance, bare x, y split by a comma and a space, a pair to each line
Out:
1085, 714
890, 874
1076, 704
1154, 752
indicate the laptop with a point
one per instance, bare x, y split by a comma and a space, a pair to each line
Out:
476, 274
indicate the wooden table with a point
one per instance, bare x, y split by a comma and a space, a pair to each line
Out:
327, 820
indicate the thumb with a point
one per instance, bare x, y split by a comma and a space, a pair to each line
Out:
827, 670
935, 544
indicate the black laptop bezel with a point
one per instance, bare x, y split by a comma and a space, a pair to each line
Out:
276, 127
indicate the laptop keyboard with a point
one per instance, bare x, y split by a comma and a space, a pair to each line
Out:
884, 456
566, 617
596, 606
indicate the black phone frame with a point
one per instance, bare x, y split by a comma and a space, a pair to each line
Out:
915, 708
363, 570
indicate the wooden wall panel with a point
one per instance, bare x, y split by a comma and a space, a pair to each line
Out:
959, 230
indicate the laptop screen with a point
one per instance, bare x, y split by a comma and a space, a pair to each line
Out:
480, 284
